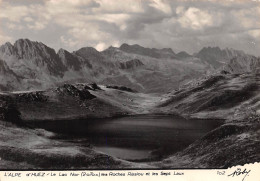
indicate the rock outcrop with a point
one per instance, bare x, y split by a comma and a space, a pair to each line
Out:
71, 90
131, 64
217, 57
243, 64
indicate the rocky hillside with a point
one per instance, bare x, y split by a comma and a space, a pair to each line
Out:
9, 80
216, 96
71, 61
232, 144
32, 55
81, 101
233, 98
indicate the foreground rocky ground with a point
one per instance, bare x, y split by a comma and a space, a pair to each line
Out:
234, 98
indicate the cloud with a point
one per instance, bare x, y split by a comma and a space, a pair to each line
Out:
13, 13
28, 19
68, 42
115, 7
255, 33
194, 18
161, 6
101, 46
182, 25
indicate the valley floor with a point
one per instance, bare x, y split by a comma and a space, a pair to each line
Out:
234, 98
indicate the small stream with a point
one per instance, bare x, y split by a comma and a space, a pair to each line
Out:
136, 138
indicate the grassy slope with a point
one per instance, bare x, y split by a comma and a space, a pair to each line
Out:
237, 142
229, 145
219, 96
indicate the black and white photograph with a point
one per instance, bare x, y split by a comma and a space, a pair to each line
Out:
129, 84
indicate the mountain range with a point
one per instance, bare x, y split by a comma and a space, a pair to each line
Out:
40, 85
31, 65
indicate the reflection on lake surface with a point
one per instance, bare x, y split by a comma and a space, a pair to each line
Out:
143, 137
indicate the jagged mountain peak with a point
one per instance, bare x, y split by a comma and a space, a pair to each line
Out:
7, 49
25, 40
151, 52
183, 54
111, 49
32, 55
89, 49
8, 44
69, 60
27, 49
225, 51
89, 53
62, 51
125, 45
168, 50
218, 57
211, 47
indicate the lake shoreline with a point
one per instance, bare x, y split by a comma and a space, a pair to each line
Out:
154, 130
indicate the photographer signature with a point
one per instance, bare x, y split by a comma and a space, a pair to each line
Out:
239, 172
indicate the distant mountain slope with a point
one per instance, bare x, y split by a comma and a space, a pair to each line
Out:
143, 69
69, 60
182, 55
90, 53
8, 79
157, 74
217, 57
38, 65
35, 54
243, 64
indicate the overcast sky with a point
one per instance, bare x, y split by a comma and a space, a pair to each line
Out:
180, 25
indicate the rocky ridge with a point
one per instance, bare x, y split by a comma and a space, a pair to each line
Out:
33, 65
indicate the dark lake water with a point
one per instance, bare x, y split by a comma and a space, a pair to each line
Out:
136, 138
